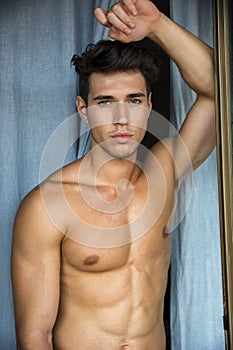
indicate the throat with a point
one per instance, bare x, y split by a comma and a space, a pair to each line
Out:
96, 171
119, 173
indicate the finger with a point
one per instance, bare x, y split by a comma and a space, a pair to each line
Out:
116, 34
121, 13
130, 4
117, 23
101, 16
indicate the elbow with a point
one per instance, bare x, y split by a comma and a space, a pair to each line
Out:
31, 340
210, 77
207, 86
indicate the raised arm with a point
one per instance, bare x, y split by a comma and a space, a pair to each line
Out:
132, 20
35, 274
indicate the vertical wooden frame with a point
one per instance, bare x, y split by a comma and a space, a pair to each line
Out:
224, 155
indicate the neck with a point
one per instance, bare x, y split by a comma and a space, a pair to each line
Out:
108, 171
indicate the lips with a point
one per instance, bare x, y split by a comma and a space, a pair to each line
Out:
122, 136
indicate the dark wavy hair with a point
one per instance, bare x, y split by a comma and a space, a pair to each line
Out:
108, 56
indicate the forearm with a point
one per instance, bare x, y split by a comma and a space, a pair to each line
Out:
193, 57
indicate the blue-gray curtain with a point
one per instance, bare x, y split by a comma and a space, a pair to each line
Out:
196, 281
37, 92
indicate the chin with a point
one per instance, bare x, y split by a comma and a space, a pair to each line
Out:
121, 154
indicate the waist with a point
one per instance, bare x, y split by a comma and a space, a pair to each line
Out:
127, 317
88, 332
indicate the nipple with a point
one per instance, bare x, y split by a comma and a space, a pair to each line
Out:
91, 260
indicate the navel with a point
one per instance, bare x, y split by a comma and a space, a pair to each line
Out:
91, 260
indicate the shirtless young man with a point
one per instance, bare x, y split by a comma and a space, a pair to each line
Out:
70, 295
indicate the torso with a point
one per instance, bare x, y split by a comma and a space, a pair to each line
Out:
112, 291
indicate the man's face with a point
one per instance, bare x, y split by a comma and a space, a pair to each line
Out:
117, 113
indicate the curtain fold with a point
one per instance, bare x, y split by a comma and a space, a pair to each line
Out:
37, 93
196, 280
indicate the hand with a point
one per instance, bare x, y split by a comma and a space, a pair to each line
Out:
129, 20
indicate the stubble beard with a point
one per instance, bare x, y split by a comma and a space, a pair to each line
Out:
120, 151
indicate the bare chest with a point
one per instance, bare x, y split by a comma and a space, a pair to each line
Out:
150, 248
109, 218
109, 229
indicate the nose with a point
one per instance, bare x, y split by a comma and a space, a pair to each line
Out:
121, 114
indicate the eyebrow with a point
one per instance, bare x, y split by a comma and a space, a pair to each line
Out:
109, 97
103, 97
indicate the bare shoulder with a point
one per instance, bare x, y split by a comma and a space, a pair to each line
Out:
31, 207
174, 158
34, 219
65, 175
33, 226
48, 203
161, 154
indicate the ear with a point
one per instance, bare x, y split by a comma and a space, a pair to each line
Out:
82, 108
149, 101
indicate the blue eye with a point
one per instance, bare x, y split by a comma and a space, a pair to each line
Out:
105, 103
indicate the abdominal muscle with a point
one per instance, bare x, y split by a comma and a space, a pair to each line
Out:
117, 309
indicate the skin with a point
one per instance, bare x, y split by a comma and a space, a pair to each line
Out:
93, 297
